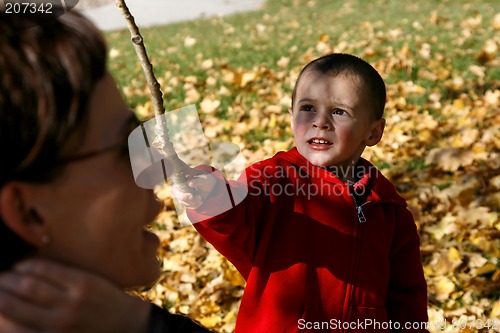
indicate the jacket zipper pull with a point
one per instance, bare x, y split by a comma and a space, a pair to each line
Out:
359, 209
361, 215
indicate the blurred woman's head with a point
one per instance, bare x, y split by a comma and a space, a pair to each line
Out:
66, 186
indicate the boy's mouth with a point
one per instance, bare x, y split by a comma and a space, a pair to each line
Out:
317, 141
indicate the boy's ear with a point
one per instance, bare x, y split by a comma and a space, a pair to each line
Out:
377, 130
19, 213
290, 111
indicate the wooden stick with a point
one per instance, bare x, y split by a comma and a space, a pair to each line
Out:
162, 141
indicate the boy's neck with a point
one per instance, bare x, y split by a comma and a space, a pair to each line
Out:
346, 174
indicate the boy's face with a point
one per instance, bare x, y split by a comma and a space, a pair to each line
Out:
333, 119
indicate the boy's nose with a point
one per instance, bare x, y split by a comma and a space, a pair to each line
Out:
322, 123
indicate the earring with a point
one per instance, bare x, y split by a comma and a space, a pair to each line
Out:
45, 239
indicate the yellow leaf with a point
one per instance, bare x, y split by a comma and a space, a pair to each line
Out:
230, 317
453, 254
495, 310
458, 103
192, 96
190, 79
172, 49
450, 159
273, 109
425, 51
469, 136
114, 53
489, 52
492, 97
496, 276
477, 260
437, 231
208, 105
272, 121
223, 91
184, 309
247, 77
443, 288
189, 41
472, 22
234, 277
144, 110
207, 64
261, 28
477, 70
322, 47
488, 268
210, 321
478, 148
496, 21
283, 62
211, 81
188, 277
228, 76
428, 271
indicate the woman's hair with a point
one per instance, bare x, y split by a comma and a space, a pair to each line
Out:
49, 65
345, 64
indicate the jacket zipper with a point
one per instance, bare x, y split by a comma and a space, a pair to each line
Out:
361, 219
359, 208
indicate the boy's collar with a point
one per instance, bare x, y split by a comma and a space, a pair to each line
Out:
380, 188
364, 169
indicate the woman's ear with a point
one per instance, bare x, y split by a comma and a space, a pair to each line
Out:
377, 130
19, 213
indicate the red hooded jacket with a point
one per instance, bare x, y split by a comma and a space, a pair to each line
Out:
318, 255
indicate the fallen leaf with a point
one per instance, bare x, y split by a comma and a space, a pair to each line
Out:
209, 105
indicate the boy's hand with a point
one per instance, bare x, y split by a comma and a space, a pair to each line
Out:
202, 186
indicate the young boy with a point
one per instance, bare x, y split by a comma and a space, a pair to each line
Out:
323, 239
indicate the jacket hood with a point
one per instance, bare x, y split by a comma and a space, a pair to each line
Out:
380, 188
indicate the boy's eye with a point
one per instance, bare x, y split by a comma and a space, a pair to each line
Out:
307, 108
339, 112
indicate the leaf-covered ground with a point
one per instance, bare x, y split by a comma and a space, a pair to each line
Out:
441, 146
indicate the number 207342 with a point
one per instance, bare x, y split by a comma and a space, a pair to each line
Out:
28, 8
478, 324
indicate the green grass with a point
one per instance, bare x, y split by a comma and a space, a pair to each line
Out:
250, 40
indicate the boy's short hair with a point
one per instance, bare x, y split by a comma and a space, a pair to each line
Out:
346, 64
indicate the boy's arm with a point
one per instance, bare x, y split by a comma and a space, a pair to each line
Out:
228, 216
407, 293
